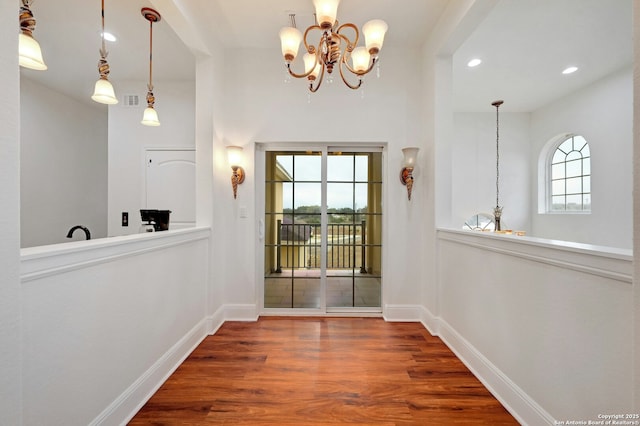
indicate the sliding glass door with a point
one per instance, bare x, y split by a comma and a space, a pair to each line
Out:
323, 227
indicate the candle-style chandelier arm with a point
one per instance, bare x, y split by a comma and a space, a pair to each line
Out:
350, 45
344, 80
345, 61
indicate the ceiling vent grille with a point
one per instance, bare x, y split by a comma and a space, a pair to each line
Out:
131, 100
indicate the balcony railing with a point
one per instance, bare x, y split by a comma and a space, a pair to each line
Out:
299, 245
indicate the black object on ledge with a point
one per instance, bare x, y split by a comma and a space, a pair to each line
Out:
87, 233
159, 218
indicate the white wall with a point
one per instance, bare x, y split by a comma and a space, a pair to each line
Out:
105, 321
262, 108
10, 319
547, 326
602, 113
128, 139
474, 167
63, 166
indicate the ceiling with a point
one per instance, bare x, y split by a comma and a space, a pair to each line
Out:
524, 44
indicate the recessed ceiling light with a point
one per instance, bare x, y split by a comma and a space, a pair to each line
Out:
474, 63
570, 70
109, 36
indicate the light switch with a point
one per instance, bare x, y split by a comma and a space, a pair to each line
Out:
243, 212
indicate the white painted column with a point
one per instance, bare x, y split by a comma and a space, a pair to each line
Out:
10, 319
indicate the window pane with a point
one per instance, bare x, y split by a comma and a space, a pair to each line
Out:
574, 185
307, 168
579, 143
557, 171
586, 199
574, 202
287, 195
362, 168
585, 151
558, 157
574, 168
566, 146
557, 187
574, 155
284, 165
586, 166
557, 202
340, 168
340, 196
586, 184
361, 190
306, 194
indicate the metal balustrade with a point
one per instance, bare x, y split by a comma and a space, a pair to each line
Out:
298, 245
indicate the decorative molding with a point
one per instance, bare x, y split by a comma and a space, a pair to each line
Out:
44, 261
125, 406
515, 400
606, 262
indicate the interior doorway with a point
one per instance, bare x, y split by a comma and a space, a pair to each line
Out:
323, 230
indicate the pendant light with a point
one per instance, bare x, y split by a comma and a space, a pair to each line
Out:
103, 91
497, 211
150, 117
29, 52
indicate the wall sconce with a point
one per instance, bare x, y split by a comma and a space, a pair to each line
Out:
234, 156
406, 174
29, 52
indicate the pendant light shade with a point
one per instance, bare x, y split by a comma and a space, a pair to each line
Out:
150, 117
29, 52
104, 93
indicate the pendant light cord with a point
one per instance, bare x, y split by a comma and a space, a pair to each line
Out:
150, 54
497, 157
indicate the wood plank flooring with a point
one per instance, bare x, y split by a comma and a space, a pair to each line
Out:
322, 371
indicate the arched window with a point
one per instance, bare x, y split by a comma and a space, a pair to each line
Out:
480, 222
569, 176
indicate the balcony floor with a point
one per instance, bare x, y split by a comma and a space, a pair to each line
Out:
306, 289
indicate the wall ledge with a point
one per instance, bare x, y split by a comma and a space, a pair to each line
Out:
43, 261
607, 262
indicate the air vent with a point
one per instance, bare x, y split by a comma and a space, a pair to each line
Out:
131, 100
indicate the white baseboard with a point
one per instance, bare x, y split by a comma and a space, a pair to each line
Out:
215, 321
240, 312
515, 400
123, 408
402, 313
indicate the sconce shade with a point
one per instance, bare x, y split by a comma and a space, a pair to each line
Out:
374, 32
30, 54
406, 173
290, 39
150, 117
410, 156
234, 156
104, 93
326, 12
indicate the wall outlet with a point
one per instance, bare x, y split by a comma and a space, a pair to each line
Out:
125, 218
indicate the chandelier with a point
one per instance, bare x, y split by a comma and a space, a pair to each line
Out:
333, 48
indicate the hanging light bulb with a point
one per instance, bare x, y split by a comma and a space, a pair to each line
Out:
103, 91
150, 117
29, 52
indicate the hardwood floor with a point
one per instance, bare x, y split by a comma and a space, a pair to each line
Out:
315, 371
